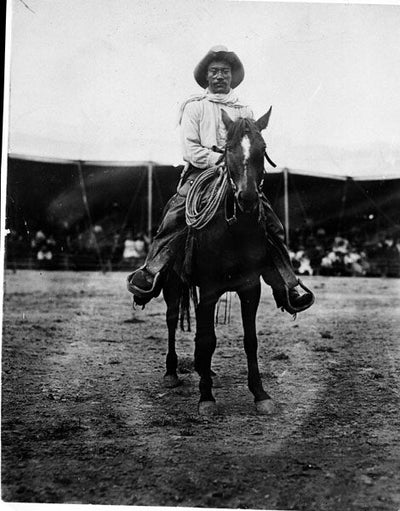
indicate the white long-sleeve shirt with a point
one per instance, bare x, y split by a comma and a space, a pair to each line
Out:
202, 128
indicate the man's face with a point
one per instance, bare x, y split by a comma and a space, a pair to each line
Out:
219, 77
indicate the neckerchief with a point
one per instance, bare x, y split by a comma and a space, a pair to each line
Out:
229, 99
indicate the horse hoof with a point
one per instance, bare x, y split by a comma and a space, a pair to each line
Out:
265, 407
207, 408
171, 381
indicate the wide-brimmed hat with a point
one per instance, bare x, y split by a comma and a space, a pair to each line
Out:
219, 53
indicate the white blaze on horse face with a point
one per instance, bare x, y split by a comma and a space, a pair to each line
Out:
246, 151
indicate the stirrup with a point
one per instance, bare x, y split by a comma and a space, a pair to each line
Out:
288, 307
143, 293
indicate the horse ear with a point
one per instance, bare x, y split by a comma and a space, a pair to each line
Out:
263, 121
226, 119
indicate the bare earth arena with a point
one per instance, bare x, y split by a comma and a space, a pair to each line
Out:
86, 418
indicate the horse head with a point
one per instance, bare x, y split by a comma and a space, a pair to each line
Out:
245, 149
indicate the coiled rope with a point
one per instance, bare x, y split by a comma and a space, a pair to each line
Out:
205, 196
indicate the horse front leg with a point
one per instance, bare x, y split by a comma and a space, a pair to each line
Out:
249, 301
172, 295
205, 344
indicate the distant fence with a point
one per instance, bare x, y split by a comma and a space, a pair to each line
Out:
378, 267
72, 262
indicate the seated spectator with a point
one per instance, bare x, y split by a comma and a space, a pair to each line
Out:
333, 263
44, 257
327, 263
356, 262
135, 250
340, 245
397, 246
95, 237
392, 257
38, 240
301, 261
384, 257
315, 250
51, 242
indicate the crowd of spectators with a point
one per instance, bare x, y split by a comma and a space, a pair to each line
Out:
90, 248
351, 255
107, 248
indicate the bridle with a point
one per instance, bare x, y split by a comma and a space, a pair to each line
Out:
199, 211
233, 218
223, 157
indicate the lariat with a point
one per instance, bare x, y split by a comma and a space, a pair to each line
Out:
205, 196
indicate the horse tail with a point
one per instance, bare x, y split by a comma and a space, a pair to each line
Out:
184, 309
189, 294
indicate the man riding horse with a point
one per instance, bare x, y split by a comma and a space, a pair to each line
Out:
203, 139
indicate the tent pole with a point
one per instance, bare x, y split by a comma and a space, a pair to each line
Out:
286, 203
343, 206
89, 215
150, 201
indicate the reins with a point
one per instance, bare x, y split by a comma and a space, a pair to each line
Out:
269, 160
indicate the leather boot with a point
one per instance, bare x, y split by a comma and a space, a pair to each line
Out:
291, 300
144, 285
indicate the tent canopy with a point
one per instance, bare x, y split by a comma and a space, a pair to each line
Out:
51, 194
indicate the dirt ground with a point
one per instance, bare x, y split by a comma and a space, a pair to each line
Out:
86, 419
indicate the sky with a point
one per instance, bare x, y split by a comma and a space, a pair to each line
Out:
103, 79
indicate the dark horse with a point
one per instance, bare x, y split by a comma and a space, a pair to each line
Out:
229, 254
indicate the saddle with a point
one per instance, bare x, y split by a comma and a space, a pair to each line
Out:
188, 176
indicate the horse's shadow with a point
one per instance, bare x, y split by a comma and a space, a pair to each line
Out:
318, 452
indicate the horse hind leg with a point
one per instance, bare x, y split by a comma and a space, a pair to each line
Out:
249, 300
172, 295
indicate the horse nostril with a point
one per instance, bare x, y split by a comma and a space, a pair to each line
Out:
247, 201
